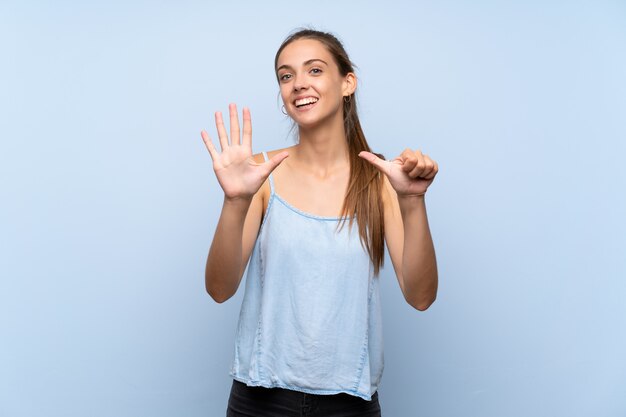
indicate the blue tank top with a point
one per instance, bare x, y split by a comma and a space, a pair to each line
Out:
310, 318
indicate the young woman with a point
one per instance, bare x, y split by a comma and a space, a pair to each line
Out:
312, 220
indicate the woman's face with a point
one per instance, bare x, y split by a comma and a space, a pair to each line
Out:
311, 86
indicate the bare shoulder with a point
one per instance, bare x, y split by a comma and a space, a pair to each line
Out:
270, 154
264, 192
259, 159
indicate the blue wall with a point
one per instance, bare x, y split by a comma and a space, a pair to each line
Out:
109, 201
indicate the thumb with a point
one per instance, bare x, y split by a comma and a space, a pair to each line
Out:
380, 164
274, 162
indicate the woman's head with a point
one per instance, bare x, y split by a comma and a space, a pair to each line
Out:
313, 44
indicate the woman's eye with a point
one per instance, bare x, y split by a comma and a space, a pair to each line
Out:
316, 71
285, 77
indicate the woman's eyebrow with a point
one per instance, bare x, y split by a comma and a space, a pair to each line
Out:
309, 62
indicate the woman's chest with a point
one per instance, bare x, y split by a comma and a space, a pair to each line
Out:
321, 196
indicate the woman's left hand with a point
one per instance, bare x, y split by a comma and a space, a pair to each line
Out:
410, 173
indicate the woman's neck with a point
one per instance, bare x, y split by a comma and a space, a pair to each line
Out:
322, 149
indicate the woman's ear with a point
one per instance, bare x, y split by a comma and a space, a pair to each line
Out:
349, 84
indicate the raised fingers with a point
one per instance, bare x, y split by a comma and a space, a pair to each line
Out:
235, 138
247, 128
209, 145
221, 130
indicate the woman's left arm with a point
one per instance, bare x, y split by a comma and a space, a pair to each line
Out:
407, 233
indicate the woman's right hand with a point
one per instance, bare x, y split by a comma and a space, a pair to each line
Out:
237, 173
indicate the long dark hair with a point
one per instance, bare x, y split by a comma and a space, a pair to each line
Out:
363, 199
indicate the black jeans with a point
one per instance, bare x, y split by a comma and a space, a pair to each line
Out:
248, 401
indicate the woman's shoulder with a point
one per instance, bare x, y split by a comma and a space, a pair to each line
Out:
265, 190
258, 157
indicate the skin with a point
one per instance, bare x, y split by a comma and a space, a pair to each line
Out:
317, 165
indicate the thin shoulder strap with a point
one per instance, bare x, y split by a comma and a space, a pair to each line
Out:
271, 177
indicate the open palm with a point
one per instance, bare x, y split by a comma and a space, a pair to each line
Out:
236, 171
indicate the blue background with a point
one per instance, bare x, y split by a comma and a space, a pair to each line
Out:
109, 201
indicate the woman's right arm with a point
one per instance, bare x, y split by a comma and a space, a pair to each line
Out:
241, 176
234, 239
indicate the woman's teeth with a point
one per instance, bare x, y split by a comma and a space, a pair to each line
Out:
305, 101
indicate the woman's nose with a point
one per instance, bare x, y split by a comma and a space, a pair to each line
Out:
300, 83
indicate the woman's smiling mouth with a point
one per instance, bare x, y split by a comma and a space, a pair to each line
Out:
306, 102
